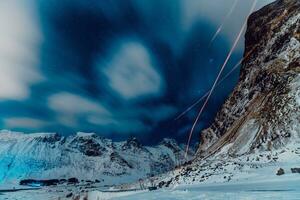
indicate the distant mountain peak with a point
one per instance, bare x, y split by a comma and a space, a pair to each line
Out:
84, 155
132, 142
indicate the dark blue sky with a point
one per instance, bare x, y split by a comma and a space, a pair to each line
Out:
115, 67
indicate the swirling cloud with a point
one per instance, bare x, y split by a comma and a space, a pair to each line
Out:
132, 72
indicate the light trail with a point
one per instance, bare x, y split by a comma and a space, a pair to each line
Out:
223, 22
223, 79
219, 75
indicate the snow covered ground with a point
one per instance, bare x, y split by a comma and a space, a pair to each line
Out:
284, 187
213, 195
46, 193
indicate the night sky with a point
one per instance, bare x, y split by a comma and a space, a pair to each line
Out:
119, 68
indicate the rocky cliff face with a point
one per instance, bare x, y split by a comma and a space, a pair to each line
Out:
84, 156
257, 131
263, 112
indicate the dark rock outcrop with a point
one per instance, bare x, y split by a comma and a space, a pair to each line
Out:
73, 181
32, 182
295, 170
88, 145
280, 172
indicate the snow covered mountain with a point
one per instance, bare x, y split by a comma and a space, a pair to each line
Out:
257, 131
85, 156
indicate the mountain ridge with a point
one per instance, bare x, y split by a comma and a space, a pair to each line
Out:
84, 155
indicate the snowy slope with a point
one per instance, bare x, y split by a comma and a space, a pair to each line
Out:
84, 156
282, 189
